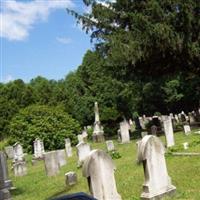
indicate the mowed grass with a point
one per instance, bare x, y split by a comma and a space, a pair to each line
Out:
184, 172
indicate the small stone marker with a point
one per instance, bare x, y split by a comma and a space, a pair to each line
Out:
61, 156
124, 132
169, 133
70, 178
68, 147
185, 145
110, 145
9, 152
157, 182
19, 164
99, 169
83, 150
51, 163
187, 129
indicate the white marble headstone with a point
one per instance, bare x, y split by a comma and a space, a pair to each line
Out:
18, 152
61, 156
110, 145
83, 150
99, 169
169, 133
157, 181
38, 148
124, 132
68, 147
187, 129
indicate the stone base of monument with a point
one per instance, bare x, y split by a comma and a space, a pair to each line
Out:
20, 168
5, 194
98, 138
159, 195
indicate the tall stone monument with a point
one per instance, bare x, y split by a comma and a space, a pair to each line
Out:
98, 133
157, 181
99, 169
169, 133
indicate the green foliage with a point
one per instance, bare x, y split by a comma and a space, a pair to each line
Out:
115, 155
51, 124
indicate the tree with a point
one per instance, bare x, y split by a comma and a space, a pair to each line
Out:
50, 124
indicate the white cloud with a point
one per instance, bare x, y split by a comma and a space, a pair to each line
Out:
8, 78
64, 40
17, 18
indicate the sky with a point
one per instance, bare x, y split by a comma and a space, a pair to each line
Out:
39, 38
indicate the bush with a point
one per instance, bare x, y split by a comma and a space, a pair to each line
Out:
50, 124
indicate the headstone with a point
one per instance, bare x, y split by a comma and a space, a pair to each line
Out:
70, 178
99, 169
142, 123
38, 149
5, 183
84, 133
169, 133
68, 147
80, 138
187, 129
61, 156
176, 118
9, 152
110, 145
83, 150
124, 132
185, 145
98, 133
154, 130
157, 182
19, 164
191, 118
51, 163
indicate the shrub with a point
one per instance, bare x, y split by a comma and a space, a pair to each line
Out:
50, 124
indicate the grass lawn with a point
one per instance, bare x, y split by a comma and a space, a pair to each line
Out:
184, 172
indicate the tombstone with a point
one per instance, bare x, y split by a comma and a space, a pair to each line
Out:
9, 152
169, 133
84, 133
83, 150
110, 145
176, 118
80, 138
70, 178
191, 118
185, 145
19, 164
61, 156
124, 132
144, 133
98, 133
68, 147
51, 163
154, 130
18, 152
4, 180
38, 149
157, 182
142, 123
99, 169
187, 129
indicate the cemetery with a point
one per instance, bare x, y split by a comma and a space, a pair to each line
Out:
100, 100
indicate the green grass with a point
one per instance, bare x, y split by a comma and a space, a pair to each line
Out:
184, 172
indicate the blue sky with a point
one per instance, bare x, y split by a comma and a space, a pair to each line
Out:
39, 38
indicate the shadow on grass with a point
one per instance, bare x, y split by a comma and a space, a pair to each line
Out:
17, 191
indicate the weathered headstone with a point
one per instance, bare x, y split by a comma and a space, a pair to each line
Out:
187, 129
80, 138
110, 145
124, 132
99, 169
70, 178
68, 147
157, 182
9, 152
83, 150
169, 133
191, 118
19, 164
98, 133
51, 163
84, 133
61, 156
38, 149
5, 183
